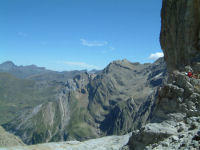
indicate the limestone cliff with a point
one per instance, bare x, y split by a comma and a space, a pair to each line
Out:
180, 32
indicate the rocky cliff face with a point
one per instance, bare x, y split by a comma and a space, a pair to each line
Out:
180, 33
175, 120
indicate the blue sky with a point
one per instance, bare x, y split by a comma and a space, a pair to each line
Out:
79, 34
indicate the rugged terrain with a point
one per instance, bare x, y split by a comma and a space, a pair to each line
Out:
126, 96
115, 101
175, 122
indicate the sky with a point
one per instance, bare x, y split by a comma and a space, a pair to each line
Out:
79, 34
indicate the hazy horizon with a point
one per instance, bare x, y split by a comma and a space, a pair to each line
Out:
71, 69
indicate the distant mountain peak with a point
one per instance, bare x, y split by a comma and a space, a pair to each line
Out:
121, 61
10, 63
124, 63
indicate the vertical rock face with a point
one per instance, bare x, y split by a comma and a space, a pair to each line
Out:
180, 32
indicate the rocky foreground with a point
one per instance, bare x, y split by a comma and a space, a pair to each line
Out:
168, 135
184, 134
105, 143
175, 123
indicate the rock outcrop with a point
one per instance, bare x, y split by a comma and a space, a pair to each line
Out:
167, 135
177, 111
180, 95
180, 33
186, 137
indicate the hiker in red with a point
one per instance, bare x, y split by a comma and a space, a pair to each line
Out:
189, 74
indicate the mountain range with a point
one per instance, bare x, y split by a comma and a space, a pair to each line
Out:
36, 73
79, 106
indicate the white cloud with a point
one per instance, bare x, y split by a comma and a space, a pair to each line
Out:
155, 56
81, 65
22, 34
93, 43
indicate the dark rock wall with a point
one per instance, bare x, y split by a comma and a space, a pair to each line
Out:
180, 36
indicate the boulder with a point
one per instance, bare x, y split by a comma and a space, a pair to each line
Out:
149, 134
